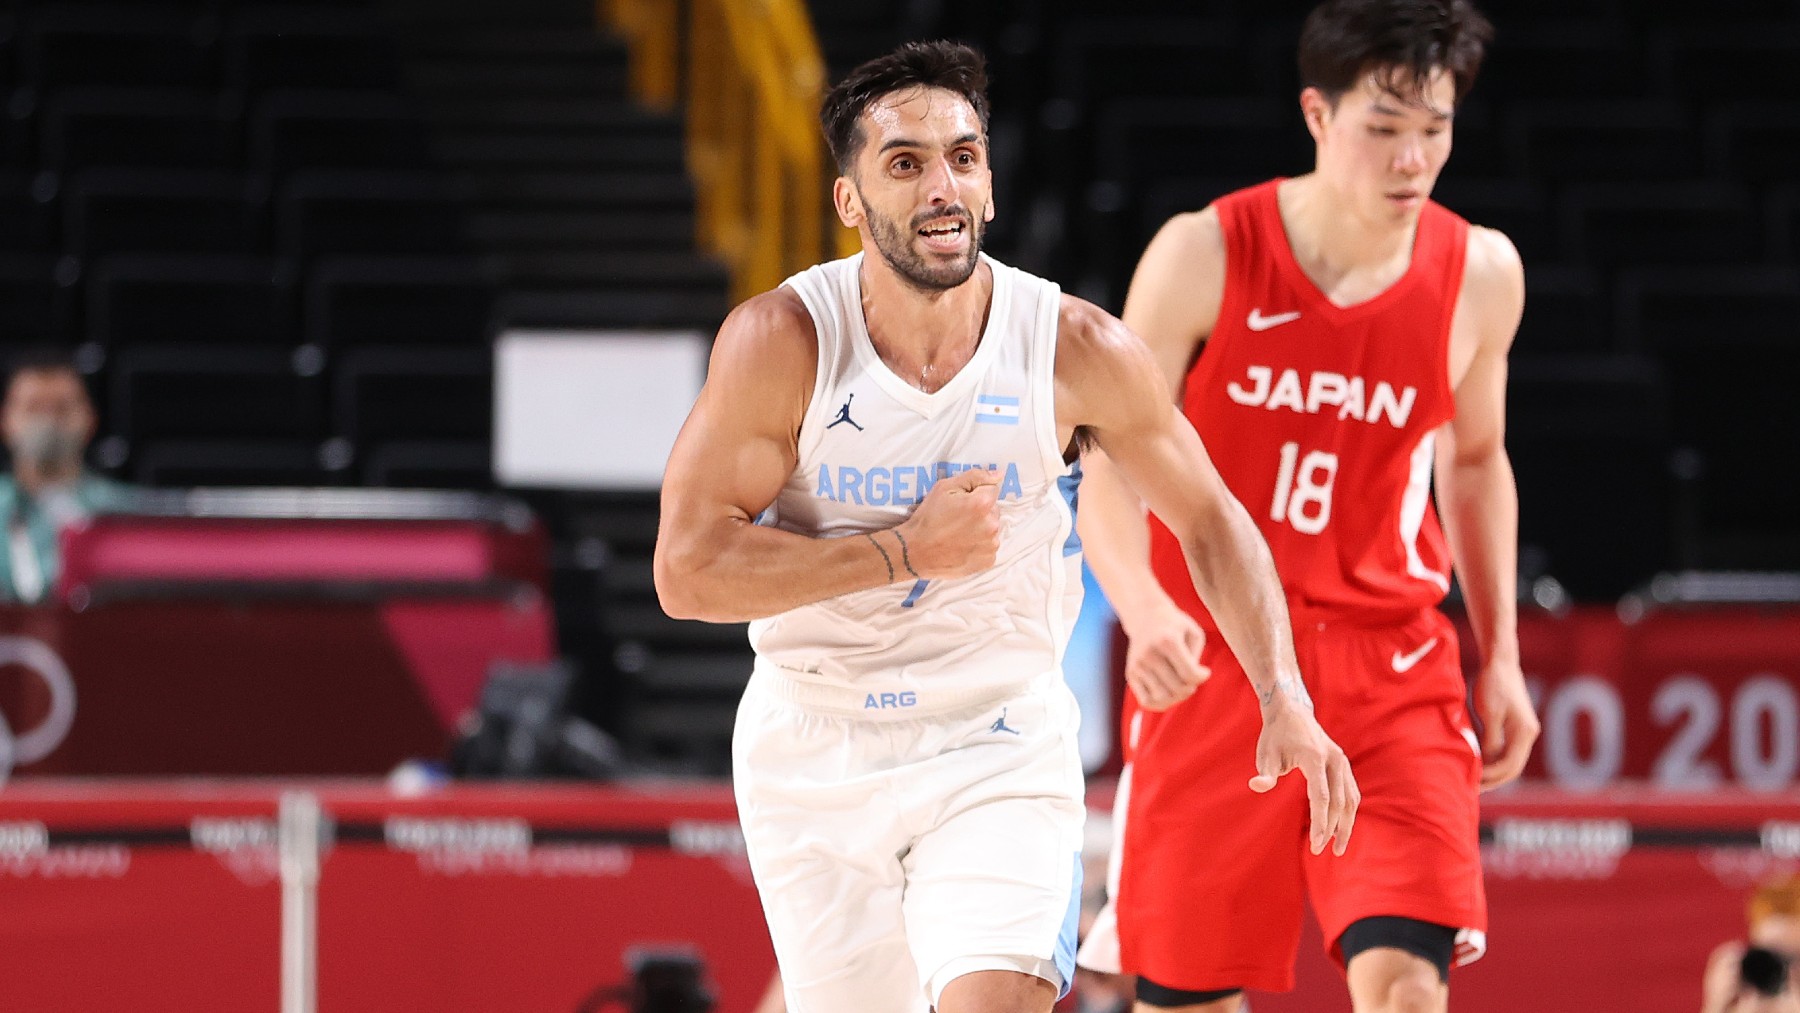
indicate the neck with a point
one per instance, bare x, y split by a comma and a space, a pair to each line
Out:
34, 478
1324, 233
924, 335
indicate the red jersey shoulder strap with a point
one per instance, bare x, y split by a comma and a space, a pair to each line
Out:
1440, 250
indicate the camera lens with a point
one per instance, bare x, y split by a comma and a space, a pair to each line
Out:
1763, 970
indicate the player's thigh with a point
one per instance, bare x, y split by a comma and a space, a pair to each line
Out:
1415, 852
1209, 875
823, 856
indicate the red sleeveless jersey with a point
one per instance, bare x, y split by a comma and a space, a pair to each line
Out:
1321, 418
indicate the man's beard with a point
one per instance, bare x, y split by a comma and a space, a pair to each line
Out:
896, 246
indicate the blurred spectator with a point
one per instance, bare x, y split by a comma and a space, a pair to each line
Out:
47, 421
1757, 976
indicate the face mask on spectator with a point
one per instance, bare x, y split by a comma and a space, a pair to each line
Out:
46, 444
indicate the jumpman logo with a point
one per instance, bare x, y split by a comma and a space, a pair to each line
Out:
843, 414
1000, 724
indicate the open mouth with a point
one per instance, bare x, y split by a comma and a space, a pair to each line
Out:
944, 234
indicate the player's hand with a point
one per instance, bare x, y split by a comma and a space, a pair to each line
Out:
1162, 657
1292, 740
955, 529
1509, 725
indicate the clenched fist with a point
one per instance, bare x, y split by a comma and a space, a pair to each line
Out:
955, 531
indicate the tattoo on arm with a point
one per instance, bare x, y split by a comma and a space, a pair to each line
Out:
905, 560
885, 558
1288, 686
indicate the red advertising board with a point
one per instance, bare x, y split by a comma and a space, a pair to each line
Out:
157, 896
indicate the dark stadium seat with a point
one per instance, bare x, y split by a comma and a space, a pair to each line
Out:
1709, 307
1517, 207
162, 210
34, 308
1726, 338
1146, 138
1754, 142
228, 462
9, 35
1604, 141
389, 300
1558, 59
336, 130
168, 299
1098, 60
1783, 223
683, 310
16, 127
295, 46
1567, 309
1622, 224
199, 392
131, 44
320, 212
1591, 430
429, 464
145, 127
1721, 62
412, 393
27, 211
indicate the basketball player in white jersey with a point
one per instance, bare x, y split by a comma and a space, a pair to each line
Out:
880, 476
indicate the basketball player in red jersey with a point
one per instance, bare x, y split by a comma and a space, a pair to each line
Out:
1354, 334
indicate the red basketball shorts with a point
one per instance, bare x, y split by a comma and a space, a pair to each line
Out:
1210, 876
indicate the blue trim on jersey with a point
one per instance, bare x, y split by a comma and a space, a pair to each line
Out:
1069, 485
1071, 926
913, 596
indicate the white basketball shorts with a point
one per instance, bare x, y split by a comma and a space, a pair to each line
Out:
896, 854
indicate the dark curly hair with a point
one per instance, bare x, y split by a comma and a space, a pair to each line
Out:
941, 64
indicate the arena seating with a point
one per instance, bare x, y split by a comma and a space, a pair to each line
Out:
1640, 155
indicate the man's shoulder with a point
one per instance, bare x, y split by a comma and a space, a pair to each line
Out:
1199, 233
1491, 255
776, 320
1493, 275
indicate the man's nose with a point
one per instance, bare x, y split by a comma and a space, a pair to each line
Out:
940, 182
1410, 158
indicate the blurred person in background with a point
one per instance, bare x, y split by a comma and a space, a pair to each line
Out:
1340, 342
47, 420
1756, 975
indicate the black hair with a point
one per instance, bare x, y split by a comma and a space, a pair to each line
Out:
952, 66
1403, 41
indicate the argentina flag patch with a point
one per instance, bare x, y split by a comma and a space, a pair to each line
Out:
997, 410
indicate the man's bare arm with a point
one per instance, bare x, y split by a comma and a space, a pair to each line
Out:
1480, 503
1172, 305
1109, 381
734, 454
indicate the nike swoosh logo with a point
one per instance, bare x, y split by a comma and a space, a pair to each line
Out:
1258, 322
1404, 662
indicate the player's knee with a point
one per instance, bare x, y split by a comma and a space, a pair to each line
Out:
997, 992
1231, 1004
1416, 992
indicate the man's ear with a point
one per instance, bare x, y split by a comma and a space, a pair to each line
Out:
847, 202
988, 215
1315, 108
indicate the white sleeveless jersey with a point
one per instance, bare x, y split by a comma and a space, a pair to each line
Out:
871, 445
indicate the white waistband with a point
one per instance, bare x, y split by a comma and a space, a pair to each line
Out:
894, 701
